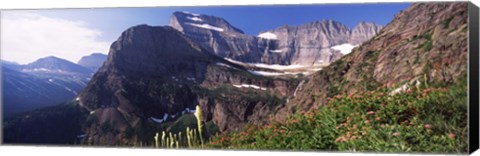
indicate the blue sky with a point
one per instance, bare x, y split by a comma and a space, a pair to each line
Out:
104, 25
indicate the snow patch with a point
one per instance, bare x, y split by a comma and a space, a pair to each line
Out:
206, 26
70, 90
276, 51
249, 86
265, 73
157, 120
225, 65
344, 48
268, 35
193, 14
277, 66
195, 19
298, 88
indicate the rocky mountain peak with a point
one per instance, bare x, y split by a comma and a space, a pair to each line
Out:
186, 21
52, 63
364, 31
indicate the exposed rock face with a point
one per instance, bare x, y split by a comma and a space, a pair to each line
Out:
93, 61
427, 40
308, 44
153, 71
217, 35
363, 32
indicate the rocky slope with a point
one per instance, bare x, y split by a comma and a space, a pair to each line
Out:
309, 44
426, 43
156, 74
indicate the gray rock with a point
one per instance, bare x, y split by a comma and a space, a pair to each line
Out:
308, 44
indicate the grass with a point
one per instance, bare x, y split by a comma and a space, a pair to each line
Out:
423, 119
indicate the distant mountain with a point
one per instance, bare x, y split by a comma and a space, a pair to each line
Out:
23, 92
363, 31
55, 65
316, 43
93, 61
10, 65
45, 82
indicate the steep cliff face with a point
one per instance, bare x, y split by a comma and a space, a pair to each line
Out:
426, 42
156, 74
363, 32
309, 44
218, 36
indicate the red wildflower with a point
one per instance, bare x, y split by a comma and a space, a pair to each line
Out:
451, 135
353, 137
396, 134
428, 126
370, 112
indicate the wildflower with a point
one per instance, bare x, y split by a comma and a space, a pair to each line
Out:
163, 137
377, 119
451, 136
156, 140
428, 126
396, 134
367, 121
341, 139
370, 112
353, 137
198, 114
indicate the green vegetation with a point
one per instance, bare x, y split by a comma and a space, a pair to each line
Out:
446, 23
428, 44
422, 119
194, 137
60, 124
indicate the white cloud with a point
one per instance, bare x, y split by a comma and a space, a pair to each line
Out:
26, 37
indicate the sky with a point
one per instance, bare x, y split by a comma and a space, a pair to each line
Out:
27, 35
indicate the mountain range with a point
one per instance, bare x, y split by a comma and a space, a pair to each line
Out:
316, 43
45, 82
154, 76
